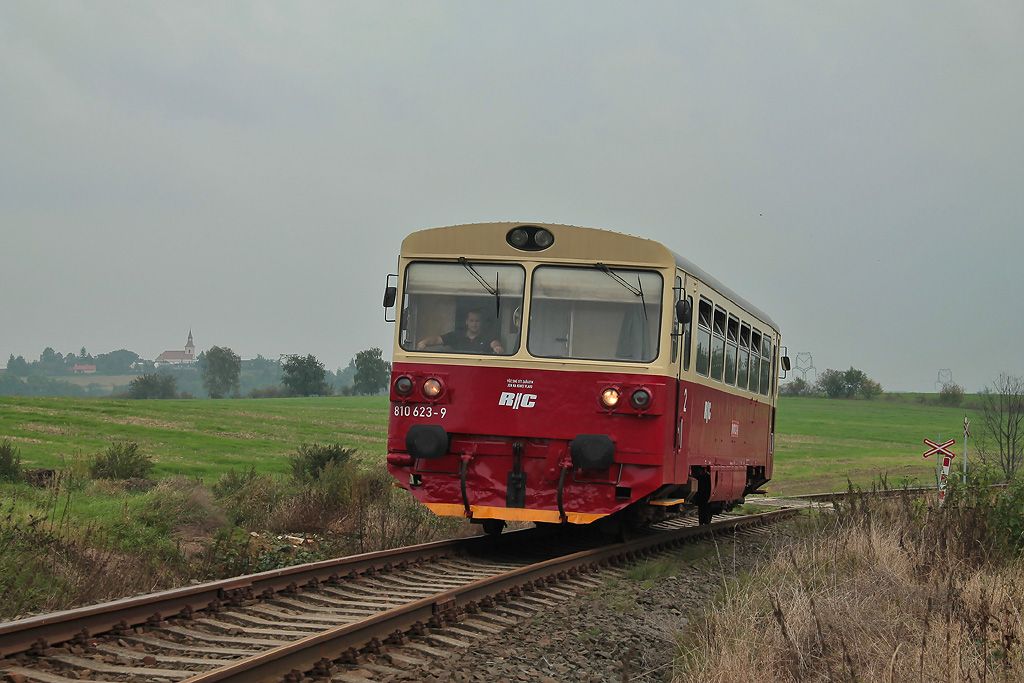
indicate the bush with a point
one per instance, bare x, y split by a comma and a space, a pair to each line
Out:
121, 460
179, 503
249, 498
10, 461
153, 385
951, 394
310, 459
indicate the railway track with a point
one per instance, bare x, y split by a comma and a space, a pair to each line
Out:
320, 621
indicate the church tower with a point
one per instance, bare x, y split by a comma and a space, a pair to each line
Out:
190, 347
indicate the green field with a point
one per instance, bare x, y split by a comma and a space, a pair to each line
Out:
820, 442
201, 438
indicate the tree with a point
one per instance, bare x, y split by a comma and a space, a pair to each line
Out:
346, 377
847, 384
50, 361
373, 373
869, 388
951, 394
153, 385
220, 368
832, 383
116, 362
18, 367
797, 386
1002, 411
304, 376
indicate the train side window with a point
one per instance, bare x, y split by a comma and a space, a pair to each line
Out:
687, 336
743, 365
704, 337
732, 332
718, 344
766, 364
755, 359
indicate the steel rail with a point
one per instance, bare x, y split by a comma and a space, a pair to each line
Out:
84, 622
317, 651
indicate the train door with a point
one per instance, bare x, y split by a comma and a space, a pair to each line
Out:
679, 470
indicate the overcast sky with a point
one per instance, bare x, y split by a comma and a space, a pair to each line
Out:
248, 170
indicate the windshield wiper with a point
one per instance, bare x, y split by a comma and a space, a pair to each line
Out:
637, 291
494, 291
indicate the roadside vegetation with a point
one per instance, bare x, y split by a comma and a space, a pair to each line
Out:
102, 528
897, 589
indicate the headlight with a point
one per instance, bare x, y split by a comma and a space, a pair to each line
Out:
610, 397
403, 385
543, 238
432, 388
640, 399
518, 238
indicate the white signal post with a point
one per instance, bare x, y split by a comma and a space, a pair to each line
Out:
947, 458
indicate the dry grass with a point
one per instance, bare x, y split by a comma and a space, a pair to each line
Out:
882, 591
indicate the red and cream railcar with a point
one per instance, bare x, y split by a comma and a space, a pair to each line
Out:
552, 373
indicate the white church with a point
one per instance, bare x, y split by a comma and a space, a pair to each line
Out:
186, 357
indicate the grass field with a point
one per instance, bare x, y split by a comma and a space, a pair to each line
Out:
191, 526
820, 442
200, 438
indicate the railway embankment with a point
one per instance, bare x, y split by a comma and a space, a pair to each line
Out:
627, 628
894, 588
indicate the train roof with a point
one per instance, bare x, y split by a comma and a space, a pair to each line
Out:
471, 239
713, 282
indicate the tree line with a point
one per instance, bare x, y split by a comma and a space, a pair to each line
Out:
52, 363
852, 383
220, 371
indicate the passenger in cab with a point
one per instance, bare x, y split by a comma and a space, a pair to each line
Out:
470, 339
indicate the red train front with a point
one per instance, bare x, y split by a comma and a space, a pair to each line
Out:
543, 373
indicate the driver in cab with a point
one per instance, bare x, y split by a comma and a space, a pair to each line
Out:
470, 339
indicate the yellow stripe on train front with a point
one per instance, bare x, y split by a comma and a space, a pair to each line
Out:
511, 514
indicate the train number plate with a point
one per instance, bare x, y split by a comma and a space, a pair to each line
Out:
406, 410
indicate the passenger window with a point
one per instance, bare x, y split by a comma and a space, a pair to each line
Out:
732, 333
718, 345
755, 359
743, 364
704, 337
766, 364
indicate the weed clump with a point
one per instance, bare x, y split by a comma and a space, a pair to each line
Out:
10, 462
121, 460
309, 461
180, 504
249, 497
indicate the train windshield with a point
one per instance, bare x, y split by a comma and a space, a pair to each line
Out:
465, 307
595, 313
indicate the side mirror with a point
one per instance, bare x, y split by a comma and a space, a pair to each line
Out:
785, 363
390, 294
683, 311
